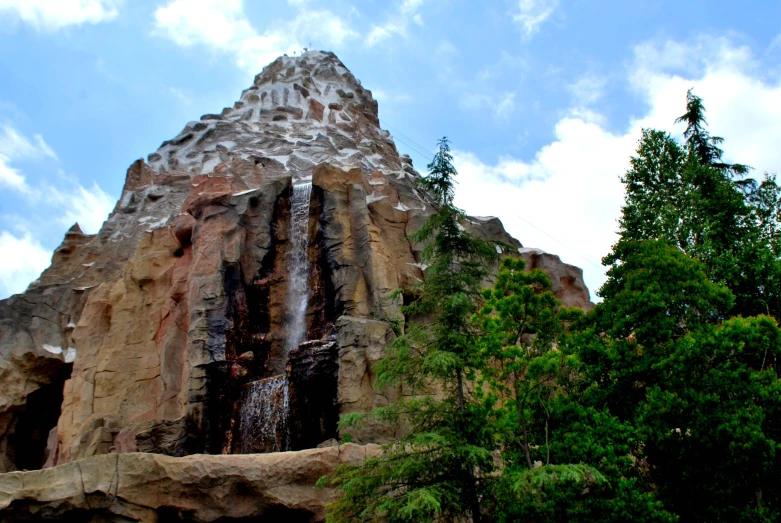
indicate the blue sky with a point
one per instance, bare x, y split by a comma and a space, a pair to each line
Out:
543, 100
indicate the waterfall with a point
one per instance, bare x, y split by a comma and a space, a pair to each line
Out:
265, 404
298, 266
264, 416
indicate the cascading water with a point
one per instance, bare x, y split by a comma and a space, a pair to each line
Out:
298, 266
264, 416
265, 404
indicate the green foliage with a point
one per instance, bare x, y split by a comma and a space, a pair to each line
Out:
521, 323
720, 438
698, 391
660, 405
702, 144
440, 470
685, 195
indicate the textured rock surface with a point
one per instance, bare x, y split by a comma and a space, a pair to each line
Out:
198, 488
142, 337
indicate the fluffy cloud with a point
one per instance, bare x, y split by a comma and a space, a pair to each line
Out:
22, 255
397, 23
51, 15
23, 259
14, 146
87, 207
532, 14
223, 26
571, 190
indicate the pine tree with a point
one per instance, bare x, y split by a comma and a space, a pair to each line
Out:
705, 146
685, 195
697, 388
440, 470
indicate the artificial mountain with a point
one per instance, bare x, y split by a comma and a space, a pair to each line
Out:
149, 374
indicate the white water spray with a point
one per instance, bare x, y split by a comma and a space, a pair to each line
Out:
298, 266
264, 416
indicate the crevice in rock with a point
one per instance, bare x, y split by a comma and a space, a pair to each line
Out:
27, 443
324, 306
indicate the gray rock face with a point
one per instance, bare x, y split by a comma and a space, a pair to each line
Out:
141, 338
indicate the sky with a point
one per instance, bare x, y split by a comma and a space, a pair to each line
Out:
542, 100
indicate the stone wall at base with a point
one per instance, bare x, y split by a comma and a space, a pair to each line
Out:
199, 488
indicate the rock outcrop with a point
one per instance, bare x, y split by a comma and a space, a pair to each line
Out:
199, 488
145, 336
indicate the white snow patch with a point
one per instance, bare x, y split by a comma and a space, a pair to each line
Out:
401, 207
374, 198
125, 201
244, 192
421, 266
532, 250
70, 355
151, 226
498, 249
52, 349
71, 325
209, 165
90, 264
485, 218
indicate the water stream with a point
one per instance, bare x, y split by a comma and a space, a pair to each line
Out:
298, 266
265, 404
264, 416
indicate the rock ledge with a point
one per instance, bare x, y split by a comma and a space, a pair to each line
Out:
198, 488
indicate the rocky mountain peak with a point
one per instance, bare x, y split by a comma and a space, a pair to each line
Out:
169, 331
316, 74
299, 112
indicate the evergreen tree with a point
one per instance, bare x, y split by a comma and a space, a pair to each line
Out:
561, 460
698, 389
685, 196
441, 469
705, 146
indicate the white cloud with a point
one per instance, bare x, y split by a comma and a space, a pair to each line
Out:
13, 147
51, 15
505, 107
22, 256
533, 13
384, 32
11, 178
87, 207
223, 26
571, 189
507, 63
397, 23
587, 89
500, 106
383, 96
22, 259
409, 7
